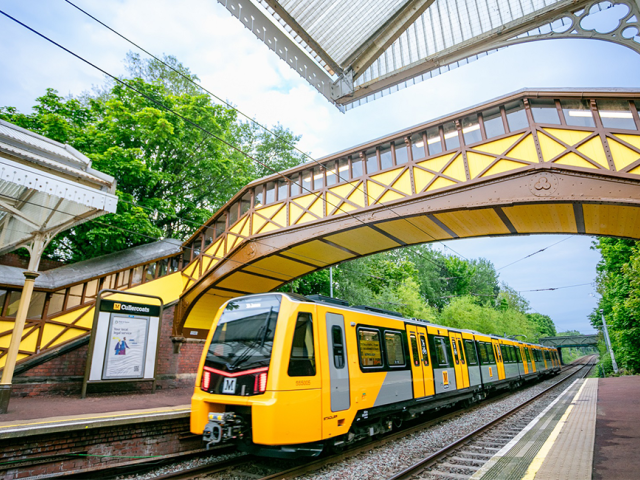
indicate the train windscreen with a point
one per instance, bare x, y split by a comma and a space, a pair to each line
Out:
244, 336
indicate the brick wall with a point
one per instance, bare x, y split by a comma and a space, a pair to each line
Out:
44, 454
177, 364
13, 260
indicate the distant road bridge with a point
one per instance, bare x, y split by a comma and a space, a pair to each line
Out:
551, 161
569, 341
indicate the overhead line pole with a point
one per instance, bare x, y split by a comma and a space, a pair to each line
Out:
608, 342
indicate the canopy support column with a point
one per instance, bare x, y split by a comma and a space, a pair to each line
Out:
35, 249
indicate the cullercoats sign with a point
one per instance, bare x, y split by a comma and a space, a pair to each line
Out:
124, 339
135, 308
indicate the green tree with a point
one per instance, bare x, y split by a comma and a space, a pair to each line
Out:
460, 274
171, 175
546, 327
508, 298
618, 282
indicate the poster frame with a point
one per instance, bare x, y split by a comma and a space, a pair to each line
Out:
92, 341
105, 365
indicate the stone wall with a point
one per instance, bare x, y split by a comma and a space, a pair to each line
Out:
85, 450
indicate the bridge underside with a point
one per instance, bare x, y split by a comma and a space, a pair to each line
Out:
538, 179
501, 207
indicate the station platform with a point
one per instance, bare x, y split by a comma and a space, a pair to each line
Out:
42, 437
591, 431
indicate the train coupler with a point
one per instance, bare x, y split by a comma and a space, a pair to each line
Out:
222, 428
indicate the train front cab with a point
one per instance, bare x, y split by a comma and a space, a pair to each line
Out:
280, 401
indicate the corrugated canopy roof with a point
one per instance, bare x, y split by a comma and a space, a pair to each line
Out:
359, 50
46, 187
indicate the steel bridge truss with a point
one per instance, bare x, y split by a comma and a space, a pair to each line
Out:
570, 341
530, 162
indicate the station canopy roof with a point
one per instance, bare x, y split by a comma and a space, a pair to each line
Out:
358, 50
46, 187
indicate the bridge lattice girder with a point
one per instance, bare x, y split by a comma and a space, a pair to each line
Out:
570, 341
540, 177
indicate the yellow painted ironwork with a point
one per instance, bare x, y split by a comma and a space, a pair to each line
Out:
550, 218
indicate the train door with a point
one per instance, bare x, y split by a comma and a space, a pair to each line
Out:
531, 359
444, 371
463, 372
427, 369
499, 360
525, 364
416, 362
457, 364
473, 363
339, 392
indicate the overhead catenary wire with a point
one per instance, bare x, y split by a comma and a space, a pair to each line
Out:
194, 124
532, 254
306, 155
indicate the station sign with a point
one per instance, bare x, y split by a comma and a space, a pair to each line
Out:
124, 339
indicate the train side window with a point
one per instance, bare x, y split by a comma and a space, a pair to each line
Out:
414, 350
503, 349
425, 351
455, 351
441, 352
461, 351
492, 357
393, 347
302, 362
469, 349
369, 348
526, 352
338, 346
484, 358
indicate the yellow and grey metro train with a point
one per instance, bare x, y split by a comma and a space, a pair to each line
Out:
285, 375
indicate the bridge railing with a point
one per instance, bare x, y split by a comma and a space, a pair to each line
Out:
429, 158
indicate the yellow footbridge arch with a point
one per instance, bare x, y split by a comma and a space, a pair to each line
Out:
544, 161
552, 161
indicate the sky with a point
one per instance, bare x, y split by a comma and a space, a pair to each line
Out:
234, 65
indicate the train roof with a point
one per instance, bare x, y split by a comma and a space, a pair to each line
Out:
343, 304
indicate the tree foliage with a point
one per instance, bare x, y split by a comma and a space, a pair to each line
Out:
420, 282
172, 171
618, 281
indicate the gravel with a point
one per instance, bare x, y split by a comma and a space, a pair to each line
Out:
384, 461
180, 465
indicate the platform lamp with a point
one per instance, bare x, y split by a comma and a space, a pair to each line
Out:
608, 342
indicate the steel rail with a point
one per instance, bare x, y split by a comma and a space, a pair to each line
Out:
352, 452
216, 467
446, 451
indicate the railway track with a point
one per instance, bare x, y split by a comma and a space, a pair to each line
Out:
462, 458
247, 466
